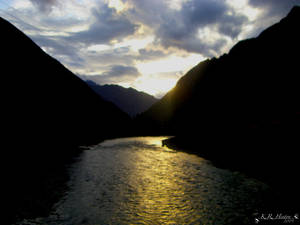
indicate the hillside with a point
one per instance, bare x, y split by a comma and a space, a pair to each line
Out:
129, 100
241, 110
46, 113
254, 85
41, 94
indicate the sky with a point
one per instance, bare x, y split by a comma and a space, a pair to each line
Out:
144, 44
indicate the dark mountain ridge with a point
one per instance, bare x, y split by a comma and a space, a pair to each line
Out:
46, 113
129, 100
242, 109
255, 84
47, 86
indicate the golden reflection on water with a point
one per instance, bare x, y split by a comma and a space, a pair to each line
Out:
137, 181
154, 141
160, 188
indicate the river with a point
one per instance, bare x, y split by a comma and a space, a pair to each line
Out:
137, 181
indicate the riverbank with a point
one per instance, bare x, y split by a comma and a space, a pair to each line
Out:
268, 158
34, 182
136, 181
31, 193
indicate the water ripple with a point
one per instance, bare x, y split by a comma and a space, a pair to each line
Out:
136, 181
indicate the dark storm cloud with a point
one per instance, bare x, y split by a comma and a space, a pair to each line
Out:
179, 28
172, 28
118, 56
149, 54
108, 25
44, 5
115, 74
120, 71
231, 25
203, 12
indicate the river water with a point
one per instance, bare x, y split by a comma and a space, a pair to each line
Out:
137, 181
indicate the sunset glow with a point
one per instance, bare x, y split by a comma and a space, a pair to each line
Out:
155, 86
147, 45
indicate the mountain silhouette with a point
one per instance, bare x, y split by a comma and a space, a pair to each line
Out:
254, 85
41, 94
242, 109
129, 100
46, 113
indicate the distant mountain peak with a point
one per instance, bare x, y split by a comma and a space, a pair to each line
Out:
129, 100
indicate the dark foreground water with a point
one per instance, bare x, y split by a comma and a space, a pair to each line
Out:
136, 181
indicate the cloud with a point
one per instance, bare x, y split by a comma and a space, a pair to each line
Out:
115, 74
108, 25
120, 71
232, 25
203, 12
114, 56
271, 12
278, 8
45, 5
61, 50
55, 44
62, 24
150, 54
173, 28
179, 28
72, 32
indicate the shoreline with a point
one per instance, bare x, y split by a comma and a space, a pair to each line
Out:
282, 182
51, 186
34, 196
